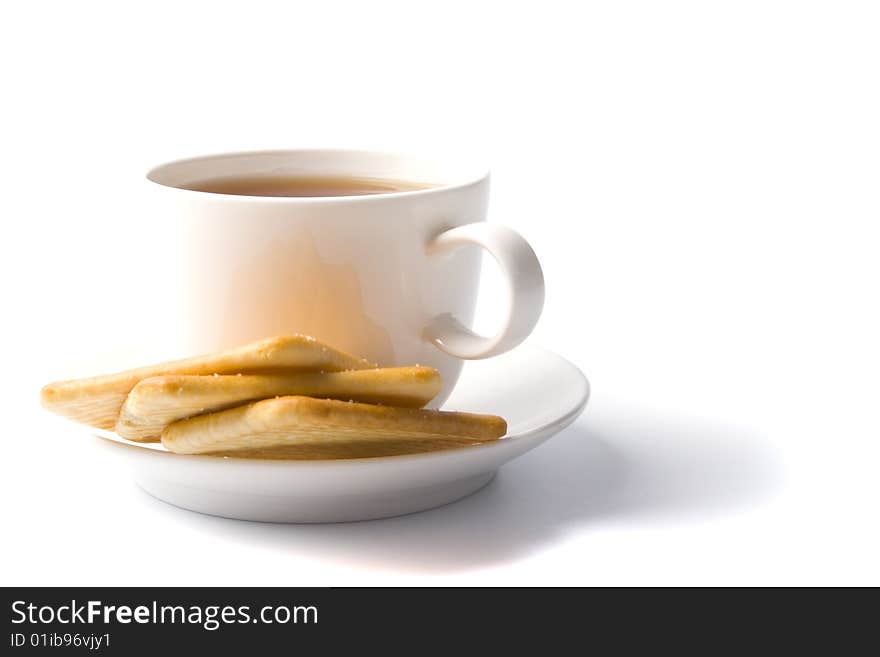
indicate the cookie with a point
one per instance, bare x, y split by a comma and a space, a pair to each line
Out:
156, 402
305, 423
341, 450
96, 401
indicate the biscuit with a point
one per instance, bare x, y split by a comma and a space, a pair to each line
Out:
342, 450
96, 401
308, 424
156, 402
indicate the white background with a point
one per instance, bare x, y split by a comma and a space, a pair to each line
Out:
699, 179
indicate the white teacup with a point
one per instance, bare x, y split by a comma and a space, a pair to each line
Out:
381, 276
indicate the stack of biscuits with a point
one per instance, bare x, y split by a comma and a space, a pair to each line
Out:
289, 397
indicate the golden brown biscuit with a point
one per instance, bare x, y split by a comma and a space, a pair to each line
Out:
156, 402
343, 450
96, 401
273, 425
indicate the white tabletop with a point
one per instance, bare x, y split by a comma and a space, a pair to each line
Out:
699, 183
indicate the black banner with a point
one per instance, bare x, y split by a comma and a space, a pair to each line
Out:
130, 621
125, 620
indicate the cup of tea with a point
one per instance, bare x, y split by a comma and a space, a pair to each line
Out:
367, 251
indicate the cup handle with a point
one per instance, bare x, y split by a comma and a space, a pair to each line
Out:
525, 291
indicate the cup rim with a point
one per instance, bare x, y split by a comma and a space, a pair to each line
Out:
474, 175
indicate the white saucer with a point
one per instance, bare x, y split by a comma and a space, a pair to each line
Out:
538, 392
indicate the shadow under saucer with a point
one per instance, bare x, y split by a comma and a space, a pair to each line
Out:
615, 467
